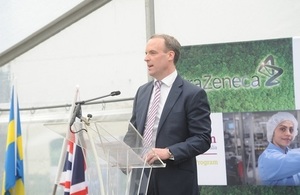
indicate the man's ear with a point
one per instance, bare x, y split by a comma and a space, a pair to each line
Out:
171, 55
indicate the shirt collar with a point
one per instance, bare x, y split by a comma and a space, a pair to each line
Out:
169, 80
273, 146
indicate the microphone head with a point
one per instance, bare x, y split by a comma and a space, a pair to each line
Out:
115, 93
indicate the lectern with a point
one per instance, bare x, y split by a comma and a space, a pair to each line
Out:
114, 156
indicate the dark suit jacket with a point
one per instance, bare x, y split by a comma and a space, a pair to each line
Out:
184, 128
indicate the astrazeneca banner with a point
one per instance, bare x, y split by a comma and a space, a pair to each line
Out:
246, 83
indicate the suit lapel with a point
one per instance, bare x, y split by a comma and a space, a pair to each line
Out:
145, 97
174, 94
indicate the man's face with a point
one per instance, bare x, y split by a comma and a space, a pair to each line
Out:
283, 134
159, 60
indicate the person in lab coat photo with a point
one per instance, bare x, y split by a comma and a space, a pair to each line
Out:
279, 164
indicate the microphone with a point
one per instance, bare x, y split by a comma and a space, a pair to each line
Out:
115, 93
78, 112
111, 94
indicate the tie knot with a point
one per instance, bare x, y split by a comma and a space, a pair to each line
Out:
157, 84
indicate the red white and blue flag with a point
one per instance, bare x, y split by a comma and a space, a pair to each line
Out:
73, 175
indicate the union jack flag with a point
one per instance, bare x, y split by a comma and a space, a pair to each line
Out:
73, 175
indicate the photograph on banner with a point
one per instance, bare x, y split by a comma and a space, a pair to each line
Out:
262, 148
243, 76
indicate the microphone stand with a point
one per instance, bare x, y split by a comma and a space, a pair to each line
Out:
78, 111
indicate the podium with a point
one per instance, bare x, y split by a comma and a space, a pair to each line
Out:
113, 154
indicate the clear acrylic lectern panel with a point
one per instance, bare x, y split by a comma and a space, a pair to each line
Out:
114, 151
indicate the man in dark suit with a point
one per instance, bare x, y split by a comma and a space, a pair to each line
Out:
182, 125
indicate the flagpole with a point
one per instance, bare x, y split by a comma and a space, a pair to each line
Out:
64, 147
16, 126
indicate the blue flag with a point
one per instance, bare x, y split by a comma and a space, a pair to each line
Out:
13, 178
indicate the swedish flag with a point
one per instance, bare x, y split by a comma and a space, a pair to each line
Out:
13, 179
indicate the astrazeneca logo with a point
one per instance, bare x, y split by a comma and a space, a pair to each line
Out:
269, 69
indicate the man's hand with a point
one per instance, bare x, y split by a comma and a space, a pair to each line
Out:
157, 153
